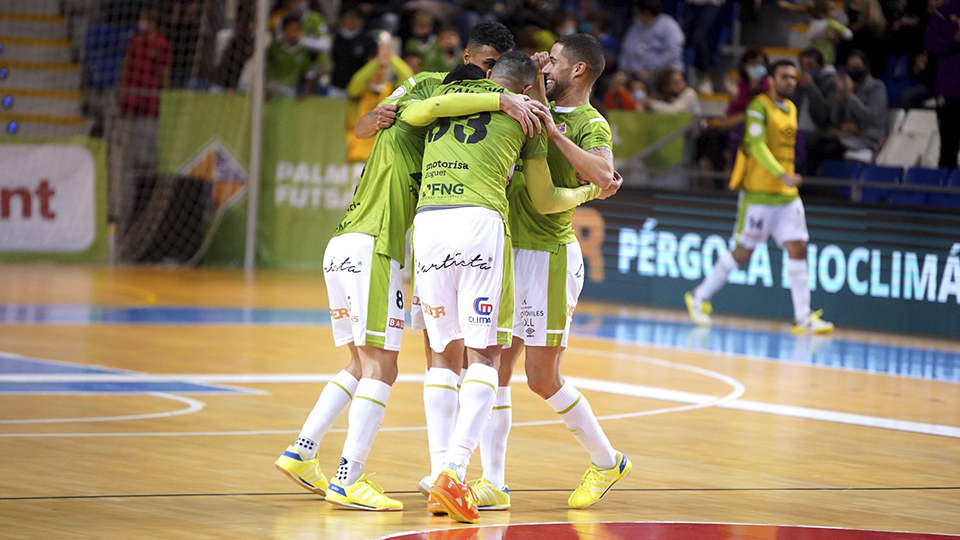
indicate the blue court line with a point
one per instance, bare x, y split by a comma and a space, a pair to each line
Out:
780, 346
19, 365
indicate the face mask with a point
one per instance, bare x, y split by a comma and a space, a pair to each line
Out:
857, 74
757, 71
639, 95
569, 31
349, 34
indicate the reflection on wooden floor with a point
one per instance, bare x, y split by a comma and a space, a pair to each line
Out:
174, 434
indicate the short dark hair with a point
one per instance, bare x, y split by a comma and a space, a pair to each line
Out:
584, 48
293, 18
465, 72
493, 34
652, 7
516, 69
857, 53
779, 64
815, 54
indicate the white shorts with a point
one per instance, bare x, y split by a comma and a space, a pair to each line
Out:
756, 222
366, 300
547, 286
416, 313
464, 276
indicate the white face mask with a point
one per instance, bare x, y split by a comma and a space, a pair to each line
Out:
349, 34
639, 94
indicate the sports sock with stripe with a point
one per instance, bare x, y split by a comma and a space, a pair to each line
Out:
366, 414
799, 288
333, 400
477, 395
717, 278
440, 405
575, 411
493, 443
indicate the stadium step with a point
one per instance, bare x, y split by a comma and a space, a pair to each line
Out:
39, 75
33, 25
34, 49
28, 101
43, 125
39, 7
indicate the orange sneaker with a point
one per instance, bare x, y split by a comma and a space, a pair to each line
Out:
455, 498
434, 507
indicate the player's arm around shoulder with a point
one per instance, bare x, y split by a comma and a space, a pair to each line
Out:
591, 156
546, 197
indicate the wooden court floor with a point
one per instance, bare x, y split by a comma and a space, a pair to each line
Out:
714, 437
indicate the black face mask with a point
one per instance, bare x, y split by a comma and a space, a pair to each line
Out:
857, 74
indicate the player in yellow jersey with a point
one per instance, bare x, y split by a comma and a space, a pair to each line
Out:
769, 202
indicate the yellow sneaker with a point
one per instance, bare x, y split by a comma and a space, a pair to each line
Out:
699, 310
362, 494
305, 472
490, 497
596, 482
813, 324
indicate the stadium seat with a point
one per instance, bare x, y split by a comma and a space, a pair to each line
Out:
919, 177
840, 170
103, 54
908, 145
951, 200
879, 173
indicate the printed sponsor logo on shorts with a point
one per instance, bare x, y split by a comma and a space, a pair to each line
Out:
416, 300
435, 312
570, 310
456, 260
483, 308
345, 266
339, 313
396, 323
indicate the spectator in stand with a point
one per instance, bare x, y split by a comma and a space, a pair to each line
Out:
446, 53
382, 15
352, 48
372, 83
422, 36
673, 95
237, 52
860, 109
144, 73
653, 42
868, 26
315, 34
825, 30
923, 68
943, 42
183, 31
414, 61
699, 17
618, 95
814, 97
289, 66
715, 143
598, 22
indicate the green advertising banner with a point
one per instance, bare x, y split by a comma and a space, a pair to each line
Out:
305, 185
53, 200
870, 267
634, 132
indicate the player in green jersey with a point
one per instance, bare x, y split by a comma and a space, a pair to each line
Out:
361, 269
462, 262
548, 267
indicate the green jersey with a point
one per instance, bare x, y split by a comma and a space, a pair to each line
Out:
530, 229
385, 200
417, 82
467, 159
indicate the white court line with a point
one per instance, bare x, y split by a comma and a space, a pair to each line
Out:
192, 407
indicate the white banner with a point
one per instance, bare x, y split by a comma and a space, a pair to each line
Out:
47, 198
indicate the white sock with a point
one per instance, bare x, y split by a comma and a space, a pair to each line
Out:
717, 278
493, 443
334, 399
476, 401
799, 288
366, 415
440, 405
576, 413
